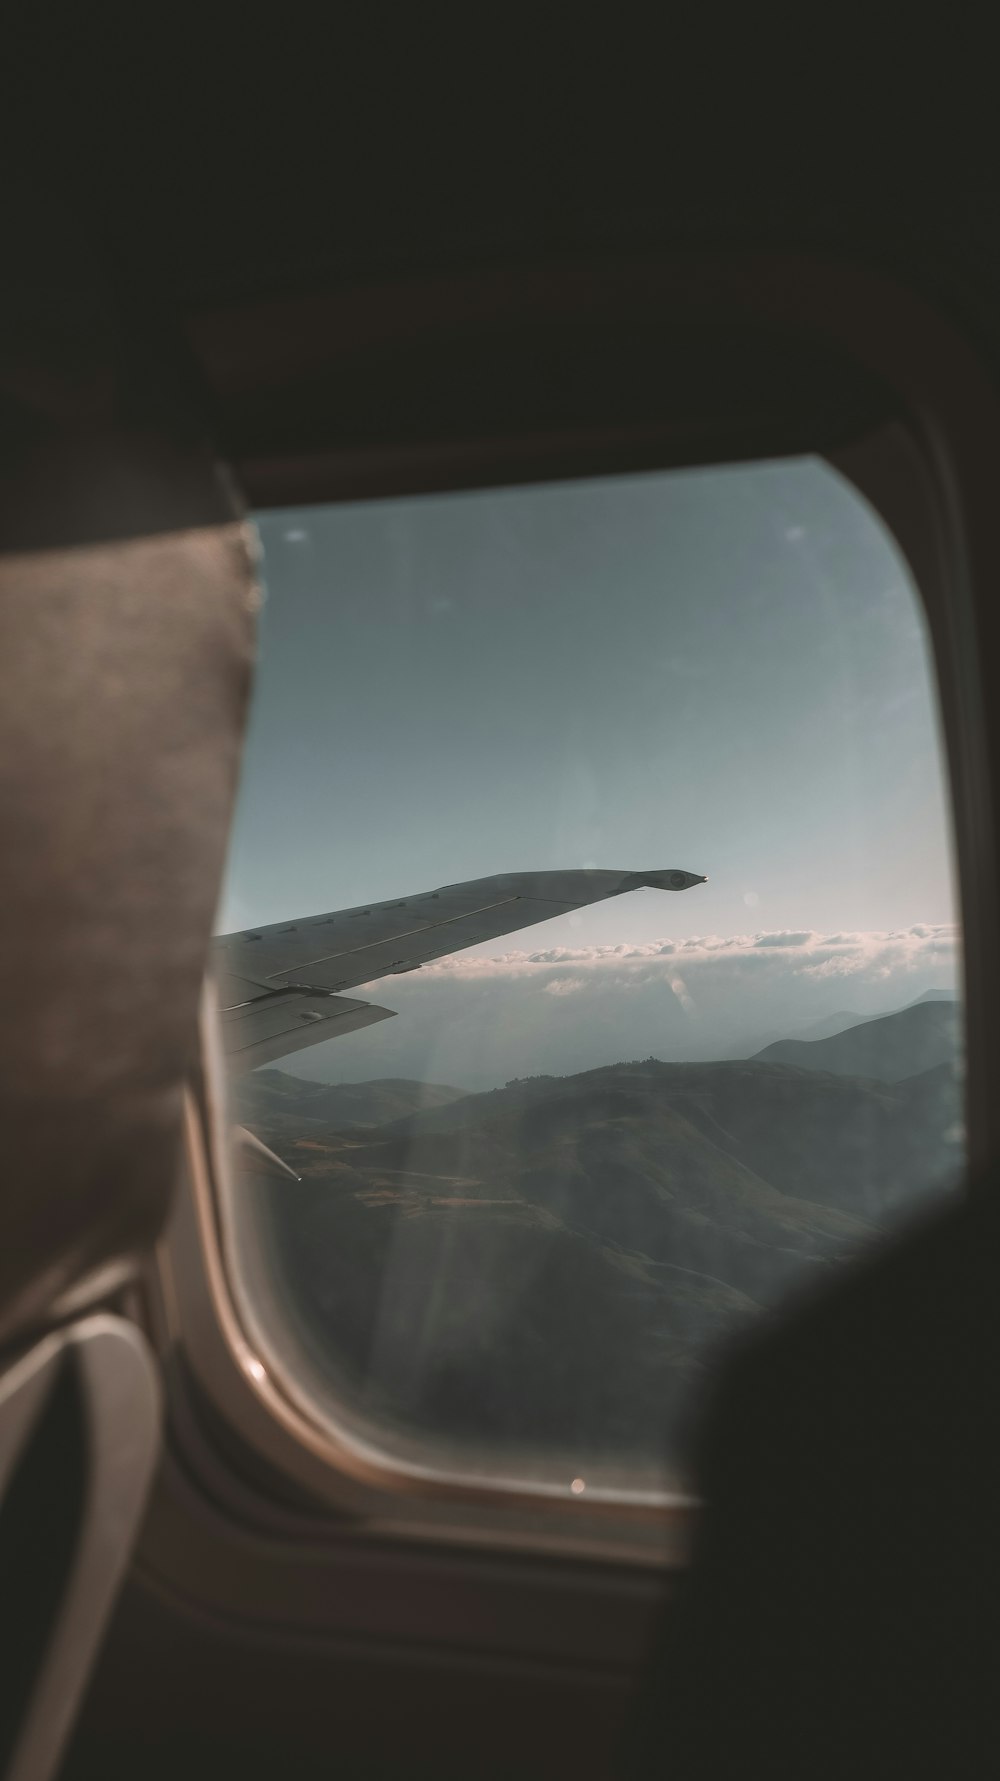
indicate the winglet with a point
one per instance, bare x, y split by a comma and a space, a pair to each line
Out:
672, 879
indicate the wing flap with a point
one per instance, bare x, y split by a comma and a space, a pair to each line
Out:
276, 1025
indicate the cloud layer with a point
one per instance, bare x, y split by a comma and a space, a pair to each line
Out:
871, 956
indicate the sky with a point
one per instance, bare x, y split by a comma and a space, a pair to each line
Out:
724, 670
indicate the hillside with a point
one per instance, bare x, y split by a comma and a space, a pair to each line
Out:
556, 1262
889, 1049
829, 1024
284, 1099
833, 1023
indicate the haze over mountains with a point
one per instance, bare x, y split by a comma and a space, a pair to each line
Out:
829, 1024
479, 1020
554, 1265
896, 1046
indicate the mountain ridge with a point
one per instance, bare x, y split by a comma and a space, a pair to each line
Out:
886, 1048
343, 1103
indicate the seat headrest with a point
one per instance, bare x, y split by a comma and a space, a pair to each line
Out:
127, 603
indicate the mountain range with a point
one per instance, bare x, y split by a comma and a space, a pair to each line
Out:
557, 1263
889, 1048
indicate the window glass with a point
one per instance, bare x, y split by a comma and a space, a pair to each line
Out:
613, 1122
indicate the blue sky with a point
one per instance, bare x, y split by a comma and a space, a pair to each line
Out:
724, 670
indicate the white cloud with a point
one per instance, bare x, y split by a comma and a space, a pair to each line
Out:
785, 938
873, 955
680, 990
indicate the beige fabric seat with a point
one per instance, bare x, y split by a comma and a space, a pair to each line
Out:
127, 601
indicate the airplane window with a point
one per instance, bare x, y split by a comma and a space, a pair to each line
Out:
588, 961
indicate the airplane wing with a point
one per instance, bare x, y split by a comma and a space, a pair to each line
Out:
280, 986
